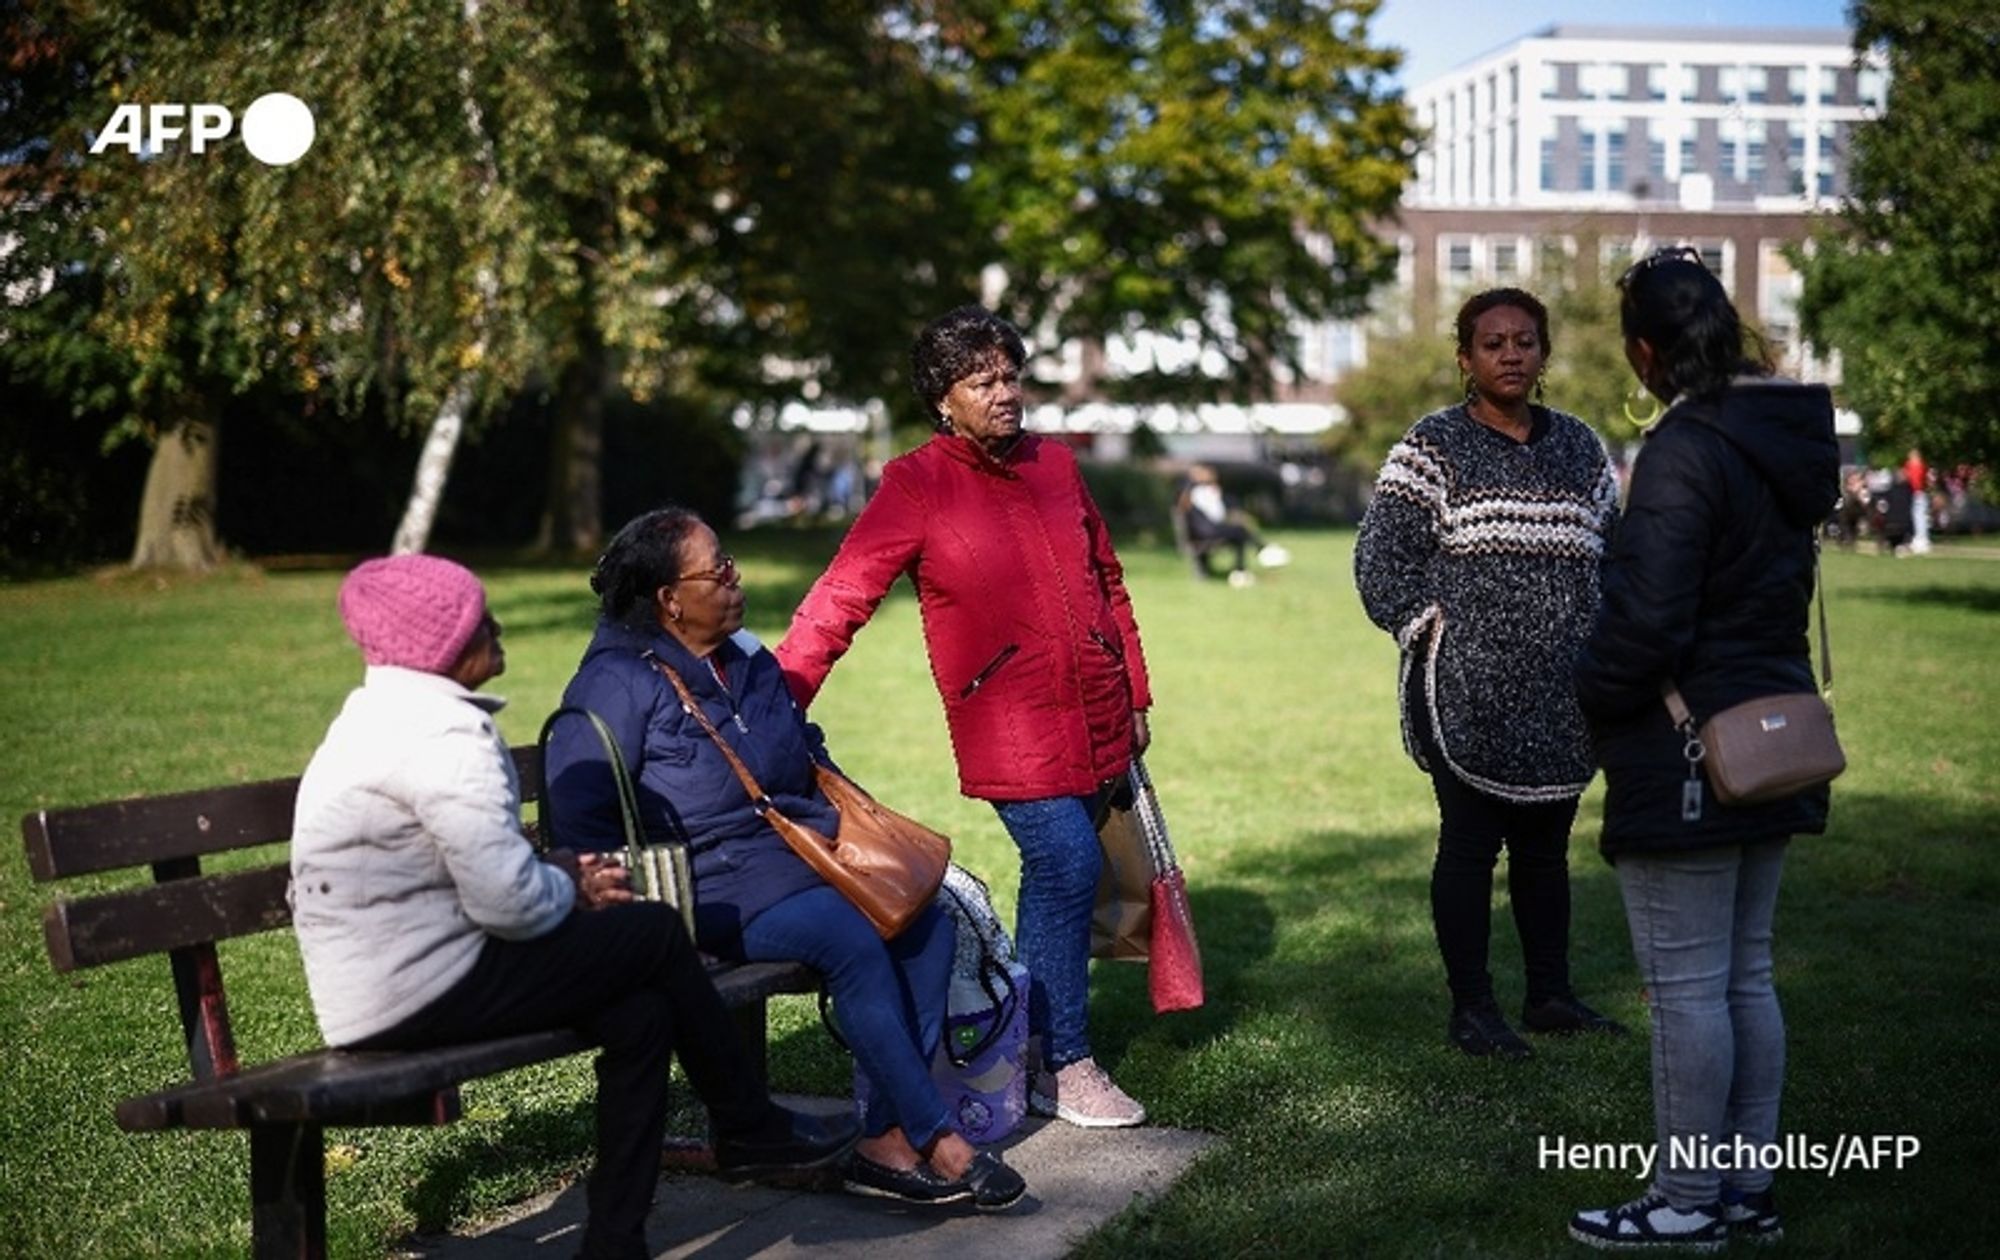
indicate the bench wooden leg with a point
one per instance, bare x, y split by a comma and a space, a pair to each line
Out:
288, 1192
750, 1032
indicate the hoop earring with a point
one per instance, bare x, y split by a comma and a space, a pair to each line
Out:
1649, 419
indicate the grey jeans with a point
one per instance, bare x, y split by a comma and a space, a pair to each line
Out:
1701, 931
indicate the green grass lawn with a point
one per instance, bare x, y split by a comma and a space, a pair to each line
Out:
1350, 1128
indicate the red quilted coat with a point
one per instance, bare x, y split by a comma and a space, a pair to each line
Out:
1030, 630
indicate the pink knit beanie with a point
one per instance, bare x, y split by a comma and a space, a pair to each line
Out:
415, 611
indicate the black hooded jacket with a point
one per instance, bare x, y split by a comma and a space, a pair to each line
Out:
1708, 582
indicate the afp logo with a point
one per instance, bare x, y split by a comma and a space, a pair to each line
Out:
277, 128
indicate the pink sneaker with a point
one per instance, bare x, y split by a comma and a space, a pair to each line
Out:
1085, 1096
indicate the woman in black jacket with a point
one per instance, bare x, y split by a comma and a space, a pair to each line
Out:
1707, 588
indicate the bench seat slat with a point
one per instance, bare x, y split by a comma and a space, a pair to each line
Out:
134, 922
344, 1087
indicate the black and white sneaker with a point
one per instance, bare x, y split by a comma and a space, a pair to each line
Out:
1650, 1223
1753, 1217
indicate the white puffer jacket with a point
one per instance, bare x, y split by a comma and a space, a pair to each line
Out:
407, 852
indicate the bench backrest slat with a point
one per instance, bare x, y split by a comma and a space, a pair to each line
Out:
120, 834
134, 922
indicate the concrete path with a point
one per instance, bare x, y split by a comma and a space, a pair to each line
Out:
1077, 1180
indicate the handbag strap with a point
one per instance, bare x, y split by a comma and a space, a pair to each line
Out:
621, 778
1152, 819
759, 801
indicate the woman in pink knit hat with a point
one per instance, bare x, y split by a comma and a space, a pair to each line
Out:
425, 918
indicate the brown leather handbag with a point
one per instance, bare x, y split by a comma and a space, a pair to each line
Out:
1763, 749
888, 865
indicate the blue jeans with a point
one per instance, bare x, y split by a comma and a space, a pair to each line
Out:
888, 995
1060, 860
1701, 931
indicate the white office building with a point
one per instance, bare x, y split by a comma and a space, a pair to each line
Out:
1727, 139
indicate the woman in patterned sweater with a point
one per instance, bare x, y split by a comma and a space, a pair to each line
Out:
1480, 553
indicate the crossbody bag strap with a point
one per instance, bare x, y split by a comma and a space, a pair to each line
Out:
758, 800
1825, 645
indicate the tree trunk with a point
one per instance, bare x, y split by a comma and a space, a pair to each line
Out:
573, 515
177, 509
433, 467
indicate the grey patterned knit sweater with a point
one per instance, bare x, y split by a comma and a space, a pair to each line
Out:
1481, 555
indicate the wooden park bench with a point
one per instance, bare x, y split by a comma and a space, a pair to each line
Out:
287, 1104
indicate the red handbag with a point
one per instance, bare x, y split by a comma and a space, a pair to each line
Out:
1173, 975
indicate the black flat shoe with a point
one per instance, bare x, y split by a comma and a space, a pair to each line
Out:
1562, 1015
995, 1187
910, 1185
801, 1144
1481, 1031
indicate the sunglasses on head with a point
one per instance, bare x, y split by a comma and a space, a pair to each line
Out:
1671, 253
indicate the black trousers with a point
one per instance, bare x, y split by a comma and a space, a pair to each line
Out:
1472, 829
628, 977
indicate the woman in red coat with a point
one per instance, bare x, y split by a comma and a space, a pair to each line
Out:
1033, 647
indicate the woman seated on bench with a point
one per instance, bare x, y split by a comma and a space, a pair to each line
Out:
425, 919
670, 598
1210, 524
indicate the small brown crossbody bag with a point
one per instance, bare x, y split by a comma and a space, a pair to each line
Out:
1764, 749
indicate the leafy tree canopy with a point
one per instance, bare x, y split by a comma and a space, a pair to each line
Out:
1207, 170
1905, 283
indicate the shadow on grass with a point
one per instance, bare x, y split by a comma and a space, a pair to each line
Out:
1981, 599
521, 1150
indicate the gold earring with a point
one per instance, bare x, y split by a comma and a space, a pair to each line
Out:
1646, 421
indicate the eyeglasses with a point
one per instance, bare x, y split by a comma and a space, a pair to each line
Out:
1671, 253
724, 573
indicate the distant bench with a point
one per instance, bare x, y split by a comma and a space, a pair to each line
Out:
286, 1104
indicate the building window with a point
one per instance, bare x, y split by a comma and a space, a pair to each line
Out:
1753, 156
1551, 80
1614, 157
1548, 155
1691, 83
1869, 86
1457, 251
1506, 258
1757, 82
1795, 159
1730, 161
1832, 152
1651, 84
1601, 81
1586, 159
1729, 82
1829, 85
1514, 85
1715, 255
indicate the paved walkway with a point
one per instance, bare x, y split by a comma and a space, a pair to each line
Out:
1077, 1180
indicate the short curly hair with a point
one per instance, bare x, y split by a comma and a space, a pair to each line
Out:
954, 346
644, 556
